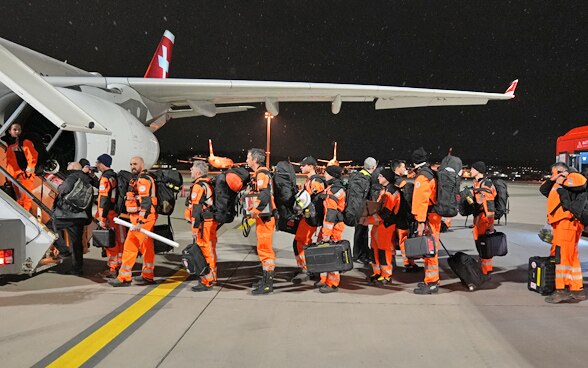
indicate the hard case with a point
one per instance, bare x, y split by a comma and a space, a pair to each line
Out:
542, 275
103, 238
328, 257
492, 245
420, 247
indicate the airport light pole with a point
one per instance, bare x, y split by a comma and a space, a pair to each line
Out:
268, 118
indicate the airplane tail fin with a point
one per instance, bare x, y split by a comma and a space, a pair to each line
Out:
210, 147
159, 66
335, 151
511, 89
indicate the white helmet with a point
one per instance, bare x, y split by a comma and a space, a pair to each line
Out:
301, 200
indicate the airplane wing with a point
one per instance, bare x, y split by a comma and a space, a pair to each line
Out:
345, 162
321, 160
203, 95
45, 98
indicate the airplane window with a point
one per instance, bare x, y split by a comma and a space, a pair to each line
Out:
112, 147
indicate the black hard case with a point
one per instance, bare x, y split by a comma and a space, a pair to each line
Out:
492, 245
542, 275
103, 238
328, 257
165, 231
420, 247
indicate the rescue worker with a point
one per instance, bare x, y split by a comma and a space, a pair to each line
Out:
200, 215
424, 197
361, 249
140, 204
384, 229
333, 225
484, 194
69, 222
21, 159
566, 234
405, 217
105, 214
315, 186
264, 224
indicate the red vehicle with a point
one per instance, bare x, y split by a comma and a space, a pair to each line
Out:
572, 148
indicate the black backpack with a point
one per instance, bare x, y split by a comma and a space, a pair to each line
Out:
123, 179
224, 200
285, 189
80, 197
575, 200
317, 206
448, 181
167, 185
405, 218
464, 207
501, 202
375, 186
358, 189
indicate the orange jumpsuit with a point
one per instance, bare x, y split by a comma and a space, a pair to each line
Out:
264, 226
382, 235
484, 193
16, 155
140, 203
333, 225
199, 213
105, 213
303, 237
566, 234
425, 196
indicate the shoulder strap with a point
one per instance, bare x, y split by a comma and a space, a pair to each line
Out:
428, 173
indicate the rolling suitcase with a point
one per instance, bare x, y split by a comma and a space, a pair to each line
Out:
492, 245
194, 261
328, 257
542, 275
167, 232
103, 238
420, 247
466, 268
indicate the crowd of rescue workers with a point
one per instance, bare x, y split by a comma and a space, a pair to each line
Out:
398, 209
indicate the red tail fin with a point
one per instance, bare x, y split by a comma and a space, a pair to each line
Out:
511, 89
159, 66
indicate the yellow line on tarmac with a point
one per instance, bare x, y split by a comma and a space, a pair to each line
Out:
87, 348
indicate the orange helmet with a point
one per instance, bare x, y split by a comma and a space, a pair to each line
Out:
234, 182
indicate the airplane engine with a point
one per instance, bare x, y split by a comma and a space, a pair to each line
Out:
129, 137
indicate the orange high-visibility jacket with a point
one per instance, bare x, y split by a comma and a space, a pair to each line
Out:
484, 193
25, 147
201, 200
390, 199
145, 199
334, 203
106, 194
262, 184
314, 185
424, 195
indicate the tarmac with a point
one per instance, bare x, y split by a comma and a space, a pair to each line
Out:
57, 320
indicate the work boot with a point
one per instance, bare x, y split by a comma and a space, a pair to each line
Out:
325, 289
267, 284
578, 295
373, 279
411, 268
201, 287
301, 276
425, 289
118, 283
141, 281
559, 296
319, 284
384, 280
108, 274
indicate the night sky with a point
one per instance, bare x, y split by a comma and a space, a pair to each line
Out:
467, 45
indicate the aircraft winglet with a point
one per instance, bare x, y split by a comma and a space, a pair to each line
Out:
511, 89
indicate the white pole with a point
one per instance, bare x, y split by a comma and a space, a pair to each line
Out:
148, 233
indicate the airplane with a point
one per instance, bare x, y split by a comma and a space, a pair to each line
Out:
217, 162
88, 114
334, 161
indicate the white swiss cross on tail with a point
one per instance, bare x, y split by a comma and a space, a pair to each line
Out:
159, 66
